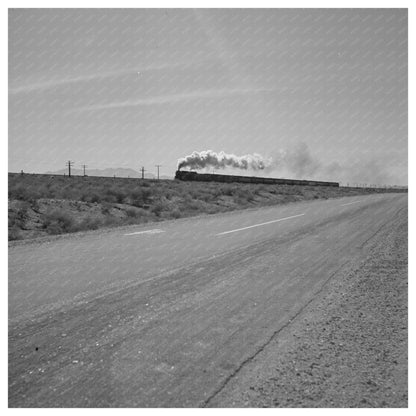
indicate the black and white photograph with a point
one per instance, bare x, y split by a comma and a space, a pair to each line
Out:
207, 207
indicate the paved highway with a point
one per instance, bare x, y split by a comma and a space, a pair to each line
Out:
164, 314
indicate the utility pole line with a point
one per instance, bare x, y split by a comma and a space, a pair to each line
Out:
143, 170
158, 166
69, 164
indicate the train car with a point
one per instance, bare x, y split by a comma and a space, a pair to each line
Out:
211, 177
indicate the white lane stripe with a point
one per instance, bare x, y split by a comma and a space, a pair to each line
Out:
349, 203
258, 225
155, 231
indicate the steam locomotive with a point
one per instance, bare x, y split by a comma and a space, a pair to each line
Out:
211, 177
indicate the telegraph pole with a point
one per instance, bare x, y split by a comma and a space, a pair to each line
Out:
143, 170
158, 166
84, 166
69, 164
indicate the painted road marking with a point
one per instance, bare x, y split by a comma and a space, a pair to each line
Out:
349, 203
259, 225
155, 231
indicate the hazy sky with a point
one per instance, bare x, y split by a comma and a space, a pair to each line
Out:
133, 87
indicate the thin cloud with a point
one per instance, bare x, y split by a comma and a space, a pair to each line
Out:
56, 83
174, 98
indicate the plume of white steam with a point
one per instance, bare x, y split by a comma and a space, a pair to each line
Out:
298, 162
221, 160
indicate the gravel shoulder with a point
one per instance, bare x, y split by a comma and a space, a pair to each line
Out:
347, 348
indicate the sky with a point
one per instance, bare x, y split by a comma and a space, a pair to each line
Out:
323, 92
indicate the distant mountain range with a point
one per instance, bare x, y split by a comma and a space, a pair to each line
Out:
108, 172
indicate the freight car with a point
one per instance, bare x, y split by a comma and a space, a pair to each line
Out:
211, 177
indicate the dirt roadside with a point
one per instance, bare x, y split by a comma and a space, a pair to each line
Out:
348, 348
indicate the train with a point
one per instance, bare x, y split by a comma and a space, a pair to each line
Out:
184, 175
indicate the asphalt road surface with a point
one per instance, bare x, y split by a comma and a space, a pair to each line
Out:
164, 315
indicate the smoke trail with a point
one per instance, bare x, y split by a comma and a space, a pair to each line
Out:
297, 162
221, 160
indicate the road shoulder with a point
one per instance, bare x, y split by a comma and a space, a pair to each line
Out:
348, 348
